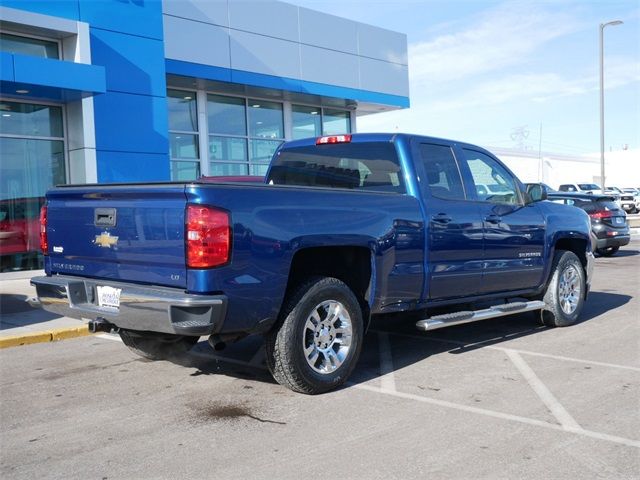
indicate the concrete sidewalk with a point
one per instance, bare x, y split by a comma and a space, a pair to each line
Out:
21, 324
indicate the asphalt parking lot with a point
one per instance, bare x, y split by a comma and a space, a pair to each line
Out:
504, 398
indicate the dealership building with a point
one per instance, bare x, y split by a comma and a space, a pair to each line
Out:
148, 90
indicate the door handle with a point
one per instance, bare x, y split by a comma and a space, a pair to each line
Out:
493, 218
441, 218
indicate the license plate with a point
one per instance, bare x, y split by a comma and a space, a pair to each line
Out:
108, 296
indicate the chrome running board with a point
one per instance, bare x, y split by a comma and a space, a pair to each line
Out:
458, 318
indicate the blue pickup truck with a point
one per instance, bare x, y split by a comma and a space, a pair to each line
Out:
343, 228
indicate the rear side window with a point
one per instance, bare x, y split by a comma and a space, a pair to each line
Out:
443, 175
372, 166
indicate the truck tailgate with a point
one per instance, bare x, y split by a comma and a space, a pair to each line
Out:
131, 233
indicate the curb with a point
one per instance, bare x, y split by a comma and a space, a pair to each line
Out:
43, 337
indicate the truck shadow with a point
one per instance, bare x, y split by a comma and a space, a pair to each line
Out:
407, 345
16, 312
410, 346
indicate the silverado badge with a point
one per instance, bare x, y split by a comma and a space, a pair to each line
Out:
105, 240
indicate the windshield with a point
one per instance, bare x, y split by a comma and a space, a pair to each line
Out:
363, 166
588, 186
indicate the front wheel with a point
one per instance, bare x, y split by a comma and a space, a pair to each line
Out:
564, 297
316, 344
157, 346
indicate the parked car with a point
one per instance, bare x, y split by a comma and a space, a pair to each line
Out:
608, 222
590, 188
580, 188
636, 197
20, 233
624, 200
344, 227
231, 179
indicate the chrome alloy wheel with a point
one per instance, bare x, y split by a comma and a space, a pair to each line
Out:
569, 289
326, 339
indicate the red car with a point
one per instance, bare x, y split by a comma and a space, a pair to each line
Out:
236, 178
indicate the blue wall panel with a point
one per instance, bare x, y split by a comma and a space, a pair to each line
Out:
188, 69
131, 118
57, 8
136, 17
131, 123
6, 67
57, 73
127, 167
134, 64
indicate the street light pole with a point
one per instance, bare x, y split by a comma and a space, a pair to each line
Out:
602, 27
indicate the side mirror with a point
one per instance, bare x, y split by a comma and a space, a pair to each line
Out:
536, 192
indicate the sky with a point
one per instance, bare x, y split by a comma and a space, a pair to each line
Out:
512, 74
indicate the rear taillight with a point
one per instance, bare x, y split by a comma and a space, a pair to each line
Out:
333, 139
208, 238
601, 214
44, 241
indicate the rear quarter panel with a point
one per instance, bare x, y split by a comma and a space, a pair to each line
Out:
270, 224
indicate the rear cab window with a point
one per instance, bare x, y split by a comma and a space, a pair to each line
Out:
368, 166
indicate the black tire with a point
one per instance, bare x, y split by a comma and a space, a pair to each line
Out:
285, 344
608, 252
157, 346
553, 314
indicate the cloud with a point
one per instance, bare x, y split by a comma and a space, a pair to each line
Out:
498, 38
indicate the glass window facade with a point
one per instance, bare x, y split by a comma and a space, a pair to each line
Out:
28, 46
306, 121
310, 121
242, 133
32, 160
183, 135
226, 115
335, 122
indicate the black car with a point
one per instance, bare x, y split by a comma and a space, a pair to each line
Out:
608, 221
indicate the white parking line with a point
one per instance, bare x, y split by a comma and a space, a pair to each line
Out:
504, 416
109, 336
387, 377
564, 418
435, 401
525, 352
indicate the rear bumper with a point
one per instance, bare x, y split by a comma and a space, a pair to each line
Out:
154, 309
617, 241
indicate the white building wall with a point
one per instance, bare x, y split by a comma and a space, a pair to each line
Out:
284, 40
622, 168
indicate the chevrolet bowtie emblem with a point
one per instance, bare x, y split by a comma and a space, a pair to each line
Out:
105, 240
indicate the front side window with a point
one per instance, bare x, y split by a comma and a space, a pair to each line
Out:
443, 176
28, 46
493, 182
183, 135
370, 166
